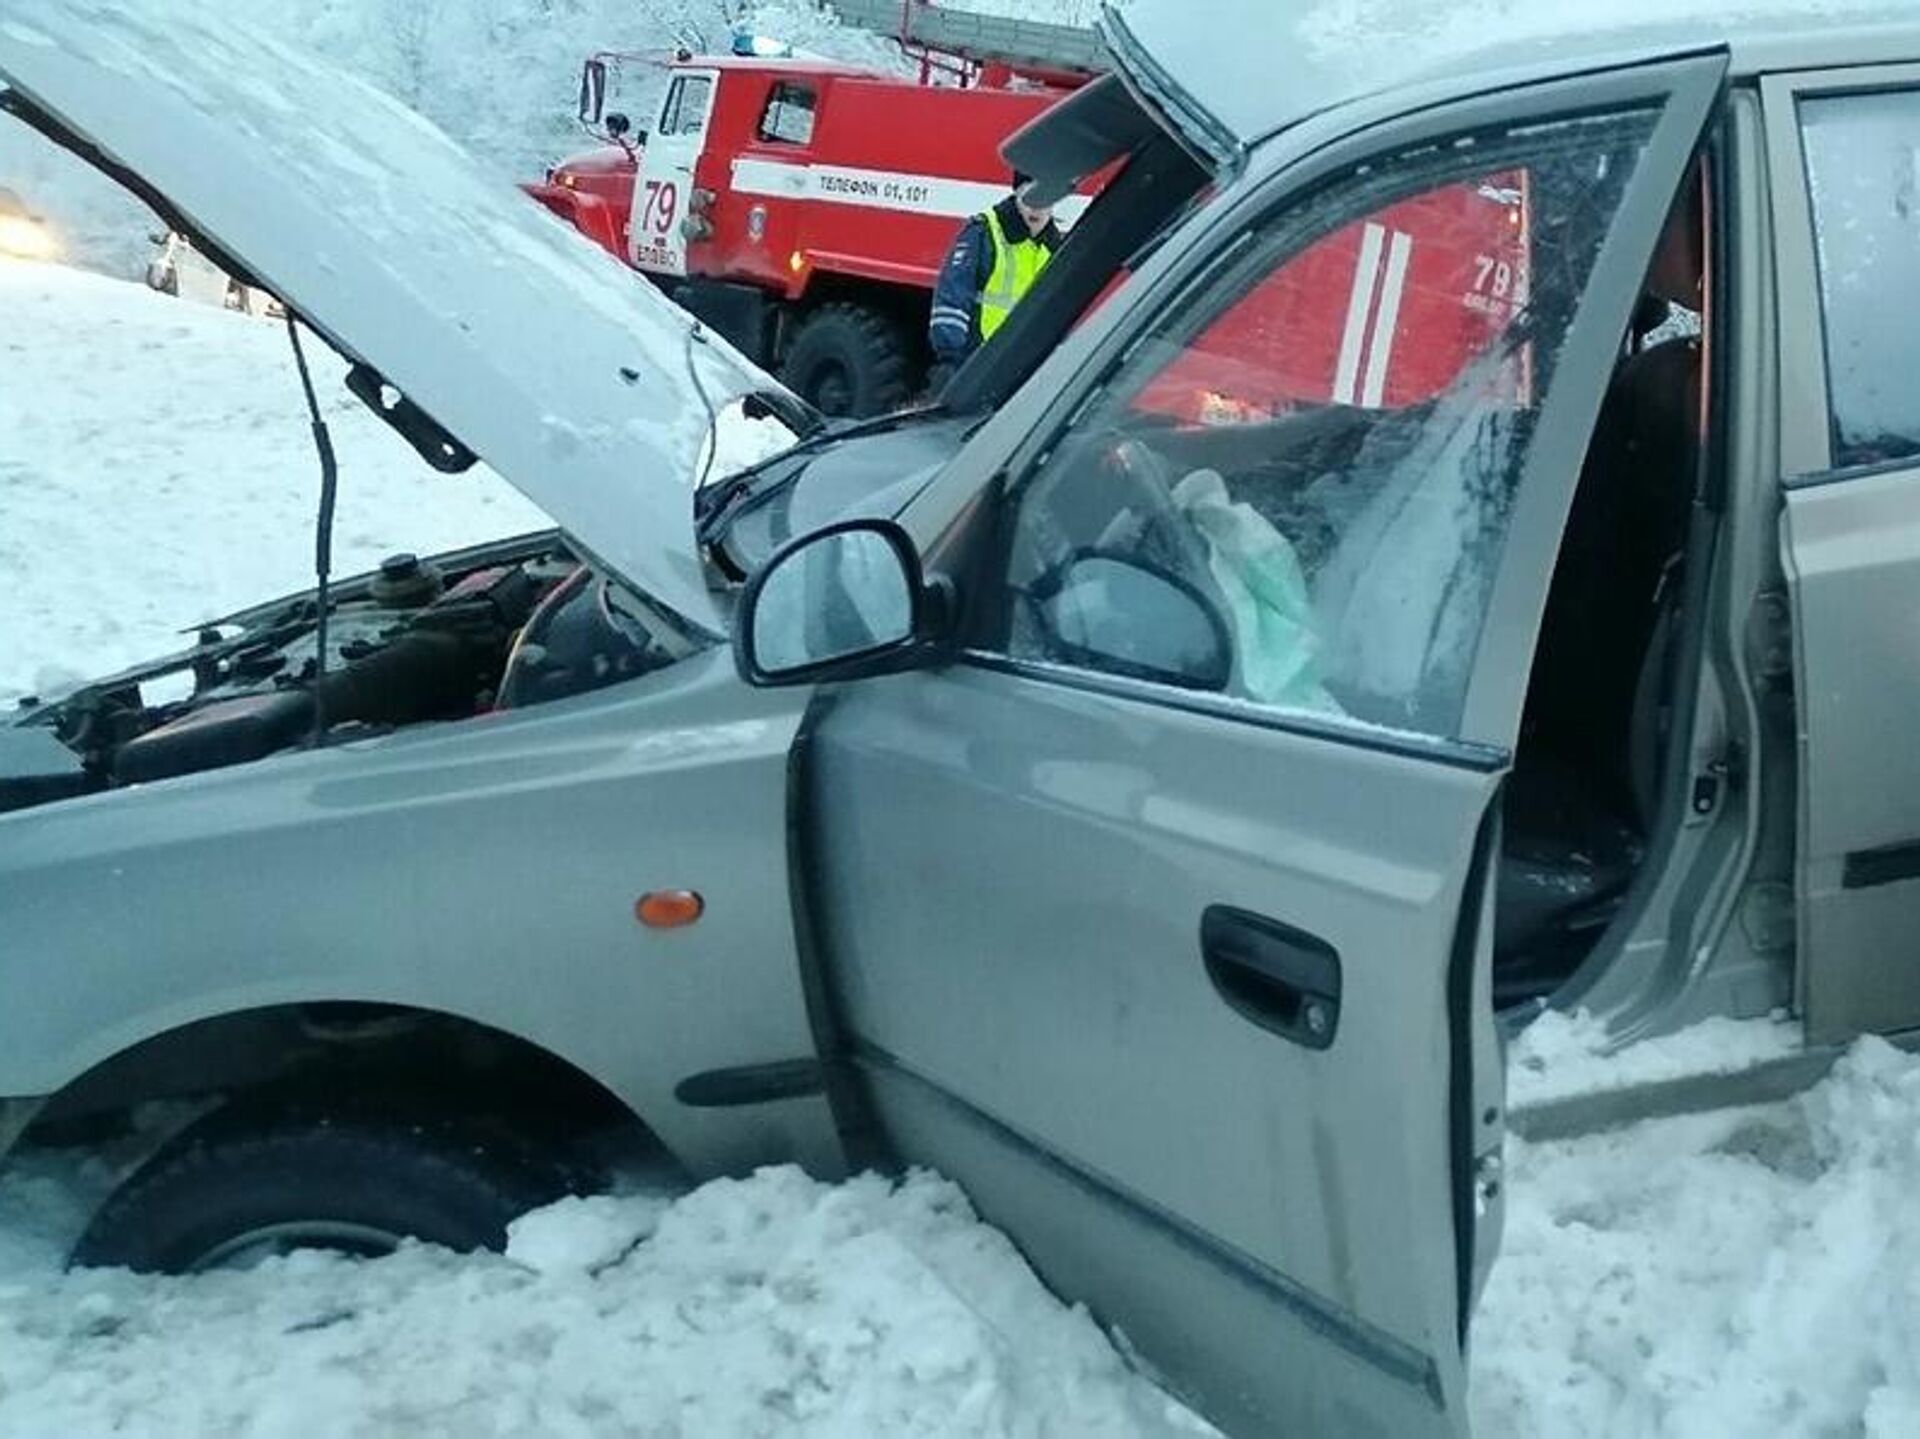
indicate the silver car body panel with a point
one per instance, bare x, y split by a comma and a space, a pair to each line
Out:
486, 869
532, 346
1058, 1046
1850, 550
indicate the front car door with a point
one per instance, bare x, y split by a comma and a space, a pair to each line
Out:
1846, 181
1158, 919
657, 237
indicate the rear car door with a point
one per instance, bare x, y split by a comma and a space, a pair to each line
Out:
1845, 149
664, 186
1158, 918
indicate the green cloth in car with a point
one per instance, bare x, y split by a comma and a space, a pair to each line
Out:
1276, 646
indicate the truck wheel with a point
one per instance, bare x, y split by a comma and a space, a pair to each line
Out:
224, 1197
849, 360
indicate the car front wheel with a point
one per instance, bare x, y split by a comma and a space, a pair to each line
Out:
221, 1196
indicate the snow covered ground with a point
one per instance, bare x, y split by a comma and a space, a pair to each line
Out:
1746, 1272
774, 1305
1751, 1272
1742, 1273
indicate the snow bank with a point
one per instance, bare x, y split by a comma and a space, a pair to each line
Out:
1750, 1272
770, 1305
1742, 1273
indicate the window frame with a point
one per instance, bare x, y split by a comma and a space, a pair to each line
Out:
774, 97
1806, 451
673, 109
1684, 91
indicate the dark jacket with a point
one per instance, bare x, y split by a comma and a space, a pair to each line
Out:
953, 329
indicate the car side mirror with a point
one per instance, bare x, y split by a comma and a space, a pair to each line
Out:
617, 124
1118, 615
841, 603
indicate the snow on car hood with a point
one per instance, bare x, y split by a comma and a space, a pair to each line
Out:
537, 350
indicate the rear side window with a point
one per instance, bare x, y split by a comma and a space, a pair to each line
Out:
1863, 171
788, 118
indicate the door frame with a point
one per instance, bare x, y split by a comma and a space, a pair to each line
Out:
1833, 990
1696, 83
1688, 89
664, 183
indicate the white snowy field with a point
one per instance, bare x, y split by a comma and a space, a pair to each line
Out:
1744, 1273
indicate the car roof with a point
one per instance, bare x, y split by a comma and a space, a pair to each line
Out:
1298, 60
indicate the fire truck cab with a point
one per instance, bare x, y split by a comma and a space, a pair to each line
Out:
803, 208
800, 207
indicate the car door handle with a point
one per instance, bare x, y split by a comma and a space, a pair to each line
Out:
1281, 978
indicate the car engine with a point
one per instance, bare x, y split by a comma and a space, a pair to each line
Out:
500, 626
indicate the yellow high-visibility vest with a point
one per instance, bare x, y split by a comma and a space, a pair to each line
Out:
1015, 268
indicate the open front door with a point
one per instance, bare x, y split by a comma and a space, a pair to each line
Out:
1159, 919
1846, 151
664, 187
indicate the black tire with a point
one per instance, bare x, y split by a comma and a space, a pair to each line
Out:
222, 1194
848, 360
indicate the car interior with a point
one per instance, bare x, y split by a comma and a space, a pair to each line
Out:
1582, 799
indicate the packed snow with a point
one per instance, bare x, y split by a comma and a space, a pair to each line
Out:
1745, 1272
773, 1305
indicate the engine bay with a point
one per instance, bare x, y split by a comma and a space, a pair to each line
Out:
495, 627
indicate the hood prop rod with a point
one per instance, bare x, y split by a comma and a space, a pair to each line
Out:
322, 532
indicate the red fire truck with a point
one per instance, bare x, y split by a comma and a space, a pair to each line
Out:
802, 207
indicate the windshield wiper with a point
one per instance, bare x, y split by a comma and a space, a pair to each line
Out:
789, 409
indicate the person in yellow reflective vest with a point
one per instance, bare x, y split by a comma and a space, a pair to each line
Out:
994, 261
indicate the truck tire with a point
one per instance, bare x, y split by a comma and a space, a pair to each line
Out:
849, 360
223, 1196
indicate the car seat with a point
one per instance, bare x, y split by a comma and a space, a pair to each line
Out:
1580, 798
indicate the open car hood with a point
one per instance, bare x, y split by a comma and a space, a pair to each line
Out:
524, 342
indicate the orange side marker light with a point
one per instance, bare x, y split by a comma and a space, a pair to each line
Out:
669, 908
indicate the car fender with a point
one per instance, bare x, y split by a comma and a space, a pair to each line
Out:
488, 869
